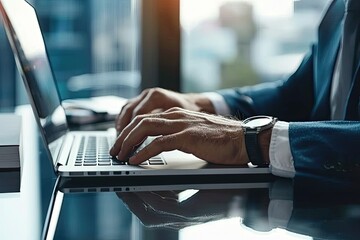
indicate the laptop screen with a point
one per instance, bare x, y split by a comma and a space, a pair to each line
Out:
24, 33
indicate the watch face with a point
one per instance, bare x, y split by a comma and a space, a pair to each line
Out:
258, 122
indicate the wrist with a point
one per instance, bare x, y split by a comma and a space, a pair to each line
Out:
257, 131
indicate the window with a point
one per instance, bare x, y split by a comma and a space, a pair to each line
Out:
93, 45
227, 43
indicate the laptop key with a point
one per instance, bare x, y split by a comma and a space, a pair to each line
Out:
104, 163
156, 163
89, 163
104, 160
90, 160
156, 160
120, 162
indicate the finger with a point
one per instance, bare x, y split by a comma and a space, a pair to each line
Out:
125, 116
180, 120
184, 117
122, 135
147, 105
132, 102
157, 146
162, 115
148, 127
114, 151
168, 115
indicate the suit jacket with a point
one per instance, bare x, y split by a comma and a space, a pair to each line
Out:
320, 147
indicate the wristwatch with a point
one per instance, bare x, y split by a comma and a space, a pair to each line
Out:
252, 127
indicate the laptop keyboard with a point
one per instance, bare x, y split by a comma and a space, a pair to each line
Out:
94, 151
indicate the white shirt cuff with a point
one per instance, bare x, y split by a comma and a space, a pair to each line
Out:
221, 107
279, 212
281, 160
281, 203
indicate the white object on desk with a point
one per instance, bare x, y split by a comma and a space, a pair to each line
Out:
10, 132
10, 152
93, 110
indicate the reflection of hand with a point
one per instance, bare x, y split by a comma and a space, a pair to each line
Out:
158, 100
164, 209
212, 138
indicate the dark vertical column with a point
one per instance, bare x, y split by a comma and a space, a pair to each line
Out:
7, 74
161, 44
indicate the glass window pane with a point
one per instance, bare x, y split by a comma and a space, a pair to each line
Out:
93, 45
244, 42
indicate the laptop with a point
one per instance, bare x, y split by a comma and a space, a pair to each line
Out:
82, 153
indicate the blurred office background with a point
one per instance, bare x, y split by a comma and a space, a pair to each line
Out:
118, 47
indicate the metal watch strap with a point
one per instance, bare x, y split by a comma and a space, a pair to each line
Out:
253, 149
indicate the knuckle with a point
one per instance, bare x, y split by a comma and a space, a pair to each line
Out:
186, 135
157, 90
159, 140
156, 93
175, 109
138, 118
145, 91
144, 121
151, 91
138, 111
127, 108
177, 112
150, 121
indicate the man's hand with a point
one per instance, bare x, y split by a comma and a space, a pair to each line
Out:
166, 208
158, 100
212, 138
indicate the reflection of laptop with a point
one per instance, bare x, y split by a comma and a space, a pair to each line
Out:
68, 150
154, 206
91, 185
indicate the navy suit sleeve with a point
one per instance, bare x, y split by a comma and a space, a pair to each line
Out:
289, 100
328, 148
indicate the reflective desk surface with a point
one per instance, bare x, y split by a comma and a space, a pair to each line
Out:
185, 209
23, 214
260, 210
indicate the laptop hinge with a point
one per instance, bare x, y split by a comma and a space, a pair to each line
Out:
65, 151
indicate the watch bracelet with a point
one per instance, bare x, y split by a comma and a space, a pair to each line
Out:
253, 150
